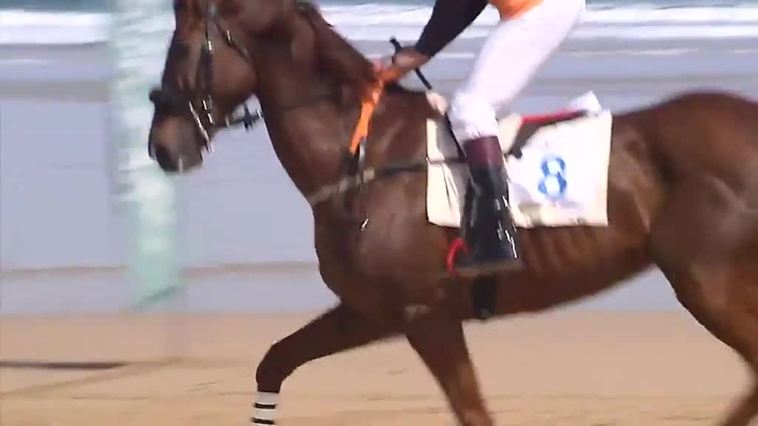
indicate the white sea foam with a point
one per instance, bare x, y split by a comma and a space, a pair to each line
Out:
379, 21
24, 27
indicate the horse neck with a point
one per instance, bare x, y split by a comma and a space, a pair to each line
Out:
309, 128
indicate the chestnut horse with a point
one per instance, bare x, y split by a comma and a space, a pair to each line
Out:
683, 195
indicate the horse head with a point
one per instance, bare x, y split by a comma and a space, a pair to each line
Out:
211, 68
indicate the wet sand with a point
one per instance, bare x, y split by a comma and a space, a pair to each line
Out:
559, 368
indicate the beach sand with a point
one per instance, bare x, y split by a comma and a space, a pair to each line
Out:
558, 368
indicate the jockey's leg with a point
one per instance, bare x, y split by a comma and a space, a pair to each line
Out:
505, 65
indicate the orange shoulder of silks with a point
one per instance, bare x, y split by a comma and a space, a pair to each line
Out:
512, 8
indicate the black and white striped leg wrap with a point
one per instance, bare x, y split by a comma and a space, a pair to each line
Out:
265, 408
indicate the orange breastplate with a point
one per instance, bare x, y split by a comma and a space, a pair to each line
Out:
513, 8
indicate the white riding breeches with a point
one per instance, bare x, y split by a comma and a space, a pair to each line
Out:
508, 60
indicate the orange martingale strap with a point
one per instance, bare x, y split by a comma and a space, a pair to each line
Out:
367, 111
370, 101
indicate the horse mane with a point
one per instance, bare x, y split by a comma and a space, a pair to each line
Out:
335, 56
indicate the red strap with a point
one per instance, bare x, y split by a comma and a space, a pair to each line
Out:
454, 249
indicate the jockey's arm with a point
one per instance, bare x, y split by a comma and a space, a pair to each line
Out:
449, 19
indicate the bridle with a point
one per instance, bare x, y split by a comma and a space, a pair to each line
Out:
200, 104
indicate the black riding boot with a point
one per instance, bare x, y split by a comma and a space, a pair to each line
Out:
487, 227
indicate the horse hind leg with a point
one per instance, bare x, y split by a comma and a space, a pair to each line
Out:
337, 330
700, 245
745, 340
726, 306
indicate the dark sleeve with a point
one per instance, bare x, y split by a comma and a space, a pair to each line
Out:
449, 19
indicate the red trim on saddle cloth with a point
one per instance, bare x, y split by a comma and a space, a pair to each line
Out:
554, 116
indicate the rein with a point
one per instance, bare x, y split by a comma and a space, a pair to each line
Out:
370, 174
360, 134
367, 175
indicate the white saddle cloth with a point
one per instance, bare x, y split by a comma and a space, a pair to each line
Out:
560, 180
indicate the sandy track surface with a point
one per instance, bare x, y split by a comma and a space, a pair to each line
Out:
561, 368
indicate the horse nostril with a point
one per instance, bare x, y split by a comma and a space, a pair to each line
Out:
163, 158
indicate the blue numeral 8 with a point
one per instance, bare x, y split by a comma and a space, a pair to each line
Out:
553, 184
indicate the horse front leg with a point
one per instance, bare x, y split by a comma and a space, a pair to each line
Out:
337, 330
441, 344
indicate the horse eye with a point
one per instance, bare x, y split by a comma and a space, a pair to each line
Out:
156, 96
160, 98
